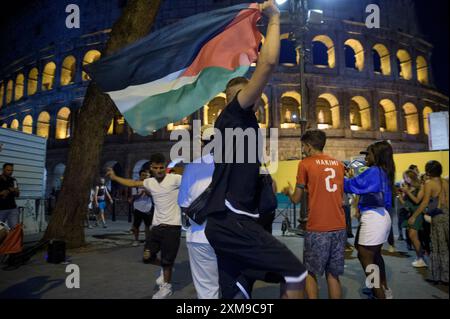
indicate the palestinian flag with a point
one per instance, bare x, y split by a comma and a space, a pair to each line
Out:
176, 70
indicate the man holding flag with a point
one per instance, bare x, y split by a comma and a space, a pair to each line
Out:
242, 246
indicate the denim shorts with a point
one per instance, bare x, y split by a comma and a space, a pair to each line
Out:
324, 252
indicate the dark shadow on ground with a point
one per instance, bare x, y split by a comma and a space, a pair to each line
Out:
33, 288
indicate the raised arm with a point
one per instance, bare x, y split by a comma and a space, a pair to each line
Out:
123, 181
267, 60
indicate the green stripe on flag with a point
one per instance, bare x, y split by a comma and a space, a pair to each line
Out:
159, 110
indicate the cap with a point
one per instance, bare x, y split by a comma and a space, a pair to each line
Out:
364, 153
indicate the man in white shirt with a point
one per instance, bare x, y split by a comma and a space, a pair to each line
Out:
203, 261
166, 225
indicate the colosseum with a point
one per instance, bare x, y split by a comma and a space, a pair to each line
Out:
361, 84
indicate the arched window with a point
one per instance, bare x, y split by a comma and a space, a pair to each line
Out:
382, 59
404, 64
89, 57
27, 124
18, 92
48, 76
422, 70
360, 114
290, 110
327, 111
117, 125
411, 119
68, 70
9, 91
212, 110
5, 125
143, 164
33, 81
387, 115
354, 54
262, 114
58, 174
15, 124
323, 52
2, 93
43, 125
288, 53
426, 112
63, 124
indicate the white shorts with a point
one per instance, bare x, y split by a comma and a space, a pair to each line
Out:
373, 228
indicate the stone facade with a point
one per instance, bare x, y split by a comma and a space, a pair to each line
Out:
357, 95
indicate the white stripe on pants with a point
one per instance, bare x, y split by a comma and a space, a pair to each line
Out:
205, 274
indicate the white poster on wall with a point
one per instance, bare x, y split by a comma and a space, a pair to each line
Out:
438, 136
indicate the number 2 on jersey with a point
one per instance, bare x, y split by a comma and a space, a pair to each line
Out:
331, 188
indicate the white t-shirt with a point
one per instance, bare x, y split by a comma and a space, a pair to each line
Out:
196, 178
165, 195
142, 203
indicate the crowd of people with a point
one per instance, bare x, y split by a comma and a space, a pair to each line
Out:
229, 208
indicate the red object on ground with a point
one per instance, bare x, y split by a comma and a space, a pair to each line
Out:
13, 242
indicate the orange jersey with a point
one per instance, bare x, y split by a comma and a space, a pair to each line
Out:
323, 178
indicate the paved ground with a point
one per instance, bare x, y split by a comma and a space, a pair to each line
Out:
111, 268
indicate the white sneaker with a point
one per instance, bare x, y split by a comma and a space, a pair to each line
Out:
419, 263
391, 249
165, 290
160, 279
135, 243
388, 293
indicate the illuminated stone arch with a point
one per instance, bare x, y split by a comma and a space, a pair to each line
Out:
354, 47
15, 124
27, 124
321, 45
426, 112
212, 110
9, 91
48, 76
2, 93
63, 124
43, 124
140, 165
411, 118
387, 113
32, 81
117, 125
290, 110
327, 111
382, 57
422, 70
404, 64
360, 110
68, 70
288, 52
262, 114
89, 57
18, 92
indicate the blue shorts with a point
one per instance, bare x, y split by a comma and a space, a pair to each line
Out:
325, 252
102, 205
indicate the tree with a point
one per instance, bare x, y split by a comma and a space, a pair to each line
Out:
91, 124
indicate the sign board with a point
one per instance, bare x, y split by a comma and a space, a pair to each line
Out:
438, 131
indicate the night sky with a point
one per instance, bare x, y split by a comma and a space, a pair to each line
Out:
433, 19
